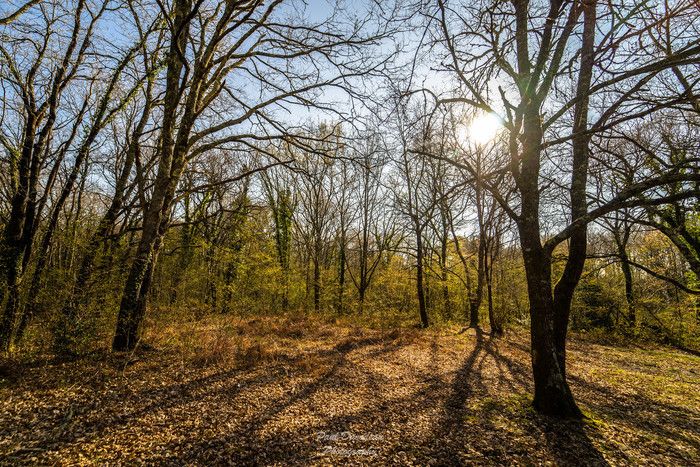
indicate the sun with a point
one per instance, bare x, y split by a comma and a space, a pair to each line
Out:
484, 128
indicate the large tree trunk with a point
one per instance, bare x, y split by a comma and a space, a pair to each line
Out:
564, 290
128, 319
133, 306
12, 272
172, 160
155, 224
552, 393
134, 298
15, 241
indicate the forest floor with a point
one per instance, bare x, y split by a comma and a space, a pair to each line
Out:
297, 392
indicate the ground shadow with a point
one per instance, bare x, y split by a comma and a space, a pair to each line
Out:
451, 408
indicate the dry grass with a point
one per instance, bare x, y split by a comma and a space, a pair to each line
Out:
300, 391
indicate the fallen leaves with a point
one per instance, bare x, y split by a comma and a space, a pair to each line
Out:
398, 397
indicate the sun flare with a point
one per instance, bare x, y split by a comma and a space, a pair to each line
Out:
484, 128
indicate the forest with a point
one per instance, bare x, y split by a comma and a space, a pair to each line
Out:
363, 232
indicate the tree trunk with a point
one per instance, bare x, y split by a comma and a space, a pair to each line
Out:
629, 291
155, 223
14, 244
212, 297
552, 394
444, 240
128, 319
621, 239
134, 300
564, 290
317, 276
341, 274
420, 290
11, 265
475, 302
496, 328
465, 264
171, 163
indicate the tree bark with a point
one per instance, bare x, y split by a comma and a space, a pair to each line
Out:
564, 290
172, 160
552, 393
477, 296
14, 241
420, 288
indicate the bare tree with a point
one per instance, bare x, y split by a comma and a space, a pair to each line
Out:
414, 198
210, 44
534, 65
373, 225
35, 107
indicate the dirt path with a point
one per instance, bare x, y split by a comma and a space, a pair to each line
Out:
295, 393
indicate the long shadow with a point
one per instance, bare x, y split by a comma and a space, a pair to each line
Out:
84, 418
308, 443
468, 428
303, 445
567, 442
518, 373
657, 418
245, 441
446, 444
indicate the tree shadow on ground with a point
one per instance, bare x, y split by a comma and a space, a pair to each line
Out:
476, 412
477, 428
655, 418
249, 444
647, 417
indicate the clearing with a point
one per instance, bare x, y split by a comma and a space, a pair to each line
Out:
282, 391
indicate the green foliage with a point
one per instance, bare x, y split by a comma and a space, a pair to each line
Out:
595, 307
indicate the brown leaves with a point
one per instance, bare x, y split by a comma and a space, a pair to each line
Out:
274, 392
